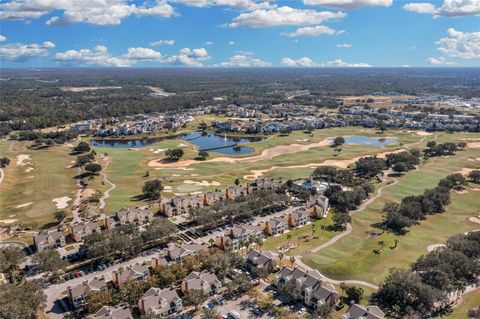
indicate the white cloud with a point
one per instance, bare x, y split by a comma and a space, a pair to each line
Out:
19, 52
314, 31
458, 44
98, 56
142, 54
101, 57
343, 45
3, 38
264, 18
303, 62
420, 7
242, 4
244, 59
438, 61
209, 43
405, 65
307, 62
348, 4
231, 42
98, 12
449, 8
162, 42
189, 57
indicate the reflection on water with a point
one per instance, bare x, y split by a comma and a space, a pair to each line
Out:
373, 141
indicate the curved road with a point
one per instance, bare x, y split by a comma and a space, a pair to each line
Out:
107, 192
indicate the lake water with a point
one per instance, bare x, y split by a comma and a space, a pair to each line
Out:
209, 142
372, 141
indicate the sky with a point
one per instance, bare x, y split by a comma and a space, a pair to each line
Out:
239, 33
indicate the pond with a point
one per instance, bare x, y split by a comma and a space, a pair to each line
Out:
371, 141
220, 144
209, 142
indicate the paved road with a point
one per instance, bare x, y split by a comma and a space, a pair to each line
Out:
107, 192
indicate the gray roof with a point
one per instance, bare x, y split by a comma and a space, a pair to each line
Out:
159, 300
108, 312
84, 288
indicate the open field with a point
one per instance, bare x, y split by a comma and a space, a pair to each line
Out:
352, 257
33, 180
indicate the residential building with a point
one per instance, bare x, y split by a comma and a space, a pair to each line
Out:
136, 272
214, 196
77, 295
162, 302
357, 311
298, 216
236, 191
109, 312
234, 238
261, 259
133, 216
317, 206
263, 184
83, 229
206, 282
48, 239
181, 204
178, 252
275, 226
310, 286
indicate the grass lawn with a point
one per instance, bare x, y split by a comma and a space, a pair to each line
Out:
470, 301
27, 190
302, 236
352, 256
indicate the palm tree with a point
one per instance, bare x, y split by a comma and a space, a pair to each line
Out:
292, 260
313, 230
288, 237
211, 241
280, 257
259, 243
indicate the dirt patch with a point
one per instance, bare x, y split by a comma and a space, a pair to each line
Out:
61, 202
23, 159
24, 205
465, 171
473, 145
433, 247
88, 88
159, 150
463, 191
475, 219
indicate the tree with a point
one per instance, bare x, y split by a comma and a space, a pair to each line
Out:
353, 294
81, 147
280, 258
313, 230
174, 154
195, 298
369, 167
338, 141
208, 313
292, 260
325, 311
265, 302
96, 300
341, 219
237, 181
152, 189
399, 168
474, 176
22, 301
453, 181
93, 168
203, 155
4, 161
60, 215
10, 259
131, 291
49, 260
83, 160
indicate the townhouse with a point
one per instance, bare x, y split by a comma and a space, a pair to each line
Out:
275, 226
310, 286
181, 204
136, 272
298, 216
236, 191
357, 311
109, 312
133, 216
261, 259
206, 282
178, 252
48, 239
160, 302
80, 230
236, 237
317, 206
77, 295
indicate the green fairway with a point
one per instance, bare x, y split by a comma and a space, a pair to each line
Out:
470, 301
352, 257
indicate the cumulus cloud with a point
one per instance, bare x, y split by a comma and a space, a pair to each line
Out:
231, 42
348, 4
162, 42
449, 8
98, 12
343, 45
209, 43
314, 31
19, 52
101, 57
189, 57
243, 4
264, 18
458, 44
438, 61
307, 62
244, 59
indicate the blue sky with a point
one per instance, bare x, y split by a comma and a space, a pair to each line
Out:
234, 33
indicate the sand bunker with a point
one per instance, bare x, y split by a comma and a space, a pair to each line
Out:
61, 202
473, 145
475, 219
182, 145
28, 169
8, 221
265, 155
202, 183
159, 150
24, 205
433, 247
463, 191
465, 171
167, 189
338, 163
22, 159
